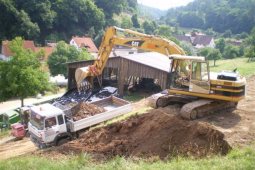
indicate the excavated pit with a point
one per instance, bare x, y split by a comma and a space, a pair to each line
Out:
151, 134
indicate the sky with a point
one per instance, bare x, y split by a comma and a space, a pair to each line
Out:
164, 4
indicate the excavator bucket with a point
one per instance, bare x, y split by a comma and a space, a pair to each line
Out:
82, 78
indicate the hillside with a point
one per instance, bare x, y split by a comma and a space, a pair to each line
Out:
58, 20
150, 12
220, 15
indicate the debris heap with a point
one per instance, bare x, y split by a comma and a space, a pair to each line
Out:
83, 110
151, 134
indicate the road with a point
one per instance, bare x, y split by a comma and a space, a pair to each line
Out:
13, 104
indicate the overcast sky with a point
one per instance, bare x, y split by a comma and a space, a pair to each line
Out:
164, 4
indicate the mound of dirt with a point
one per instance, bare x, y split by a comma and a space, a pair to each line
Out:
151, 134
83, 110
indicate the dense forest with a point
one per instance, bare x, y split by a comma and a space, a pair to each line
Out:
42, 20
236, 16
56, 20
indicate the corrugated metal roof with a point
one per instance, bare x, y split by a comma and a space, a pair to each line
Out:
152, 59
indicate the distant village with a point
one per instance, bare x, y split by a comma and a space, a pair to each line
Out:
196, 39
78, 42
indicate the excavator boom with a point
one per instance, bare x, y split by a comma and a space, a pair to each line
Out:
125, 37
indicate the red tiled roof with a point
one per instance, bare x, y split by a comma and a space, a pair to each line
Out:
47, 52
26, 44
86, 42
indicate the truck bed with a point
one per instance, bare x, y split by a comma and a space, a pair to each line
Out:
114, 107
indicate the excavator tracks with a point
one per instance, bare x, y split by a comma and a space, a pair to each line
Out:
202, 107
192, 107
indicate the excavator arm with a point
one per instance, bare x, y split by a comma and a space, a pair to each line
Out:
124, 37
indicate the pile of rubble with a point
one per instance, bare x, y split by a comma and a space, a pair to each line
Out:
84, 110
151, 134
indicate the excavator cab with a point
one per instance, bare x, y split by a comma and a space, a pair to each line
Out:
200, 79
190, 73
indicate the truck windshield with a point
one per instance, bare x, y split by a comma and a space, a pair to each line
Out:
37, 121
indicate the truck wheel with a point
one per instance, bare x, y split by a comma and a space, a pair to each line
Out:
27, 134
62, 141
42, 146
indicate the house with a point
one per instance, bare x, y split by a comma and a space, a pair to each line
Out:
27, 44
84, 42
201, 41
198, 40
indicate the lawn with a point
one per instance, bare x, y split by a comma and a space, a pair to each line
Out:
243, 67
236, 159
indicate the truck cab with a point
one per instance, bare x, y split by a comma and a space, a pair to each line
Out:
47, 125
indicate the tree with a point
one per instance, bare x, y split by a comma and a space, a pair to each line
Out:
230, 52
221, 45
126, 23
16, 22
76, 17
188, 48
251, 50
227, 34
149, 27
111, 7
214, 55
210, 54
204, 51
135, 21
164, 31
21, 76
190, 19
41, 13
65, 53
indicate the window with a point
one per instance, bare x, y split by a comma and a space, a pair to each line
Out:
50, 122
199, 71
60, 119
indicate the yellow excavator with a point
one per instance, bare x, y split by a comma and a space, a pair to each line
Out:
191, 84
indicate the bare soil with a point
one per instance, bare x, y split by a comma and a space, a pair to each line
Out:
83, 110
15, 148
152, 134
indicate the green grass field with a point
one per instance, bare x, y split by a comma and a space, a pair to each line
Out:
243, 67
236, 159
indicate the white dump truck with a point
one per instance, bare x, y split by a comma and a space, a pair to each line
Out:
50, 125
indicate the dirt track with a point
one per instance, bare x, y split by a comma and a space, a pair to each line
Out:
16, 148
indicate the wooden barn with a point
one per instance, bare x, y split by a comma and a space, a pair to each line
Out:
127, 68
